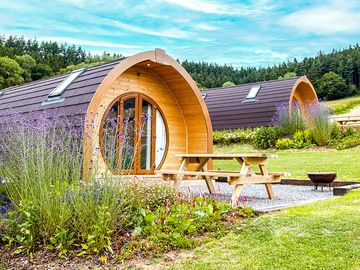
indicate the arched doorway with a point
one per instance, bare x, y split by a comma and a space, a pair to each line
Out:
134, 135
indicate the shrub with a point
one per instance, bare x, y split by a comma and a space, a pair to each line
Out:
174, 225
348, 132
227, 137
348, 142
266, 137
333, 86
335, 131
284, 143
304, 138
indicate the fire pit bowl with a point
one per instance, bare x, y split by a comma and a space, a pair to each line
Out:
322, 178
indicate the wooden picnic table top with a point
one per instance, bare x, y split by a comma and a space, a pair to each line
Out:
346, 118
227, 156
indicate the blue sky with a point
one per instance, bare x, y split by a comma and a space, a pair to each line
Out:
240, 33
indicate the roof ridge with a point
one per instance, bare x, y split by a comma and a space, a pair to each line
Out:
252, 83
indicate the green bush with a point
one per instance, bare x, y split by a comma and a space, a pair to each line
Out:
304, 138
266, 137
333, 86
174, 225
348, 142
335, 131
284, 143
227, 137
348, 132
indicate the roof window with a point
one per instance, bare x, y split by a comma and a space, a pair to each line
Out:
253, 92
55, 95
65, 83
204, 96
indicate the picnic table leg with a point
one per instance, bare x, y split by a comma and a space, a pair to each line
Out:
236, 193
268, 186
235, 196
201, 167
246, 170
183, 167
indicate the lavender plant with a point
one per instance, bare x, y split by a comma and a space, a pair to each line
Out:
320, 124
288, 121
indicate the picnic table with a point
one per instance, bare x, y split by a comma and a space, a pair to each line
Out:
245, 175
347, 121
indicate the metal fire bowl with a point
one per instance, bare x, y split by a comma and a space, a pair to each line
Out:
322, 177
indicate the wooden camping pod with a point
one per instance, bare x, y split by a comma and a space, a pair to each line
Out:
151, 75
230, 109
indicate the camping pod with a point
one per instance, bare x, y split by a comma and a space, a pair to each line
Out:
256, 104
138, 112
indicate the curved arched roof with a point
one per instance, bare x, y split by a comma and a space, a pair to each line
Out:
229, 110
77, 96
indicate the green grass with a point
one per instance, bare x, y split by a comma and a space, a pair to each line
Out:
300, 161
323, 235
343, 105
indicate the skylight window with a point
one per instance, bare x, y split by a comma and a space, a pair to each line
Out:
204, 96
254, 90
1, 93
59, 90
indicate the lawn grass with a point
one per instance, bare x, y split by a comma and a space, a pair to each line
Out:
324, 235
300, 161
343, 105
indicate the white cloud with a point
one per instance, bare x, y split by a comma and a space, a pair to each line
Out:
88, 42
170, 32
206, 27
272, 54
221, 8
204, 39
329, 18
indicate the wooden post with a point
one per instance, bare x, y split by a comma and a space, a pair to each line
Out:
202, 167
268, 186
183, 167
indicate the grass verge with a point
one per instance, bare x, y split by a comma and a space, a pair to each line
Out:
323, 235
300, 161
343, 105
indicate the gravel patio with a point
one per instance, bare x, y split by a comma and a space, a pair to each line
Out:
255, 196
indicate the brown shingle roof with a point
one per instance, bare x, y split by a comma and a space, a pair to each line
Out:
29, 97
228, 111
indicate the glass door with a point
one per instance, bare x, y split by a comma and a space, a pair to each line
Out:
127, 134
146, 136
136, 141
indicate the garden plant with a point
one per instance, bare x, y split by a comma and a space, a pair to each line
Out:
45, 204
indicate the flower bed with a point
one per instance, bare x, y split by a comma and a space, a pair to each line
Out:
45, 204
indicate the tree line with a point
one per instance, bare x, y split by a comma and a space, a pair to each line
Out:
24, 60
334, 75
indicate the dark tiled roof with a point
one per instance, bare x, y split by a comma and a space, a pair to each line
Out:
29, 97
228, 111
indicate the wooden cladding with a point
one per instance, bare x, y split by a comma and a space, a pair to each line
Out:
157, 76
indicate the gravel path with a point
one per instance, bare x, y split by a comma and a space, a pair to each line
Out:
256, 196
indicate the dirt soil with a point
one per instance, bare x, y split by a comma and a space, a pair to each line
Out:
47, 261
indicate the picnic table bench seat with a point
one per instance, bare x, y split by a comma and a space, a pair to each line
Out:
232, 177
